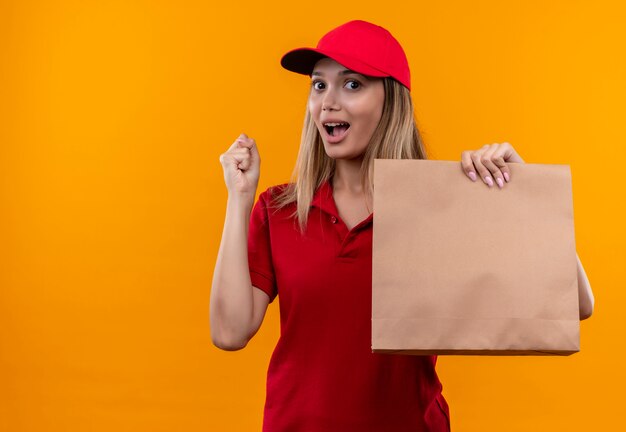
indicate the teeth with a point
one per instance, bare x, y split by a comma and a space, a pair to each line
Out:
334, 124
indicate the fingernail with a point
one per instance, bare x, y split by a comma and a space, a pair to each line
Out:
489, 181
500, 182
506, 177
472, 175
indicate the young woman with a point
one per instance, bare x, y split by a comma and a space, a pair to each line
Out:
311, 241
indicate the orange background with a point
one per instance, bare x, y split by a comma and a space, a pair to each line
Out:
112, 119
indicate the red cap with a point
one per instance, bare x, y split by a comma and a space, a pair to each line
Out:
360, 46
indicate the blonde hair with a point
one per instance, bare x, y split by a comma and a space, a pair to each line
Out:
395, 137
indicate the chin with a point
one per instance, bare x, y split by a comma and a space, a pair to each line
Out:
342, 150
337, 153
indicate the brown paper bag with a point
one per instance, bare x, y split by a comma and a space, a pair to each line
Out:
462, 268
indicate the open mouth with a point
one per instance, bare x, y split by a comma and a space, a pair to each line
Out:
336, 129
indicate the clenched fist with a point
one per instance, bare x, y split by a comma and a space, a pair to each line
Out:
242, 167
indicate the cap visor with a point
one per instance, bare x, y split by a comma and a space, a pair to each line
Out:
302, 61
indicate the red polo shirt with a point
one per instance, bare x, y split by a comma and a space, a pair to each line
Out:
323, 376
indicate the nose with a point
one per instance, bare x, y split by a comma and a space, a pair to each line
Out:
329, 101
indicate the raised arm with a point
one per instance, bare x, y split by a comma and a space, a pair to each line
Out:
236, 308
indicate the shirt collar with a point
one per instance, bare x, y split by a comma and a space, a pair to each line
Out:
323, 199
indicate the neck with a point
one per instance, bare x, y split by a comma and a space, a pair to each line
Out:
347, 176
347, 179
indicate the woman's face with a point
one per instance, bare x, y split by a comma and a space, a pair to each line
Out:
342, 96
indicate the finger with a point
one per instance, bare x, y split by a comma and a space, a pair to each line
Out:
467, 165
244, 143
228, 159
492, 161
509, 155
240, 151
238, 142
238, 155
235, 157
241, 157
245, 163
484, 173
254, 151
500, 157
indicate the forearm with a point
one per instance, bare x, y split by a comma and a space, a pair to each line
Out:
585, 295
232, 302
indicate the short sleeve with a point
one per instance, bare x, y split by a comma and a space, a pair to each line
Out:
259, 249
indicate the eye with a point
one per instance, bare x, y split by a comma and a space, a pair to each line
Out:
358, 84
314, 84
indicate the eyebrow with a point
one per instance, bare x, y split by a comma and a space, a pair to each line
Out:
343, 72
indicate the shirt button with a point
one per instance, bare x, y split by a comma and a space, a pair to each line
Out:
333, 219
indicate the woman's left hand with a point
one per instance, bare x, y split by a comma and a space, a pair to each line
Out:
490, 162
